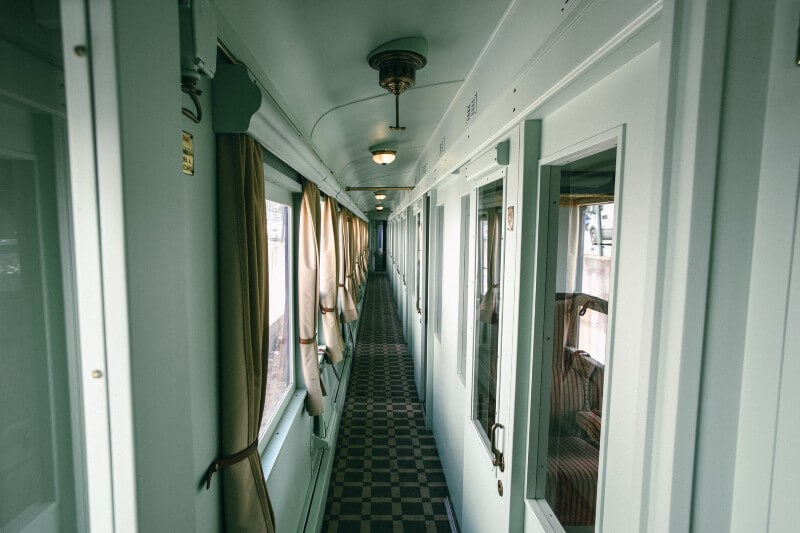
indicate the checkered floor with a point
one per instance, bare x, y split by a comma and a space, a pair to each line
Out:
387, 475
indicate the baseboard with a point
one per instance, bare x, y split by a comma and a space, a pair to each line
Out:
316, 511
319, 498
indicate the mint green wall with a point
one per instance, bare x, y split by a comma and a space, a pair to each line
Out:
171, 246
201, 300
740, 138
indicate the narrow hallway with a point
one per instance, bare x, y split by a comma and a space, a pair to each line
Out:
387, 475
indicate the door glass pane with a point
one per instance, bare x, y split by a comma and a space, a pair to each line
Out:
463, 286
418, 261
579, 305
40, 484
489, 254
279, 369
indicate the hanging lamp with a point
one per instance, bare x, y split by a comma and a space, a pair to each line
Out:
397, 63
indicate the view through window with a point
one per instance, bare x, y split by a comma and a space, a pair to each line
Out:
579, 307
489, 255
280, 368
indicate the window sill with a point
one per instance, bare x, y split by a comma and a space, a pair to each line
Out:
270, 452
540, 513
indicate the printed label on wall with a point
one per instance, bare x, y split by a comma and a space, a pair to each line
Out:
188, 153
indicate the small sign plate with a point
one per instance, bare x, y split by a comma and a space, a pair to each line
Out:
188, 153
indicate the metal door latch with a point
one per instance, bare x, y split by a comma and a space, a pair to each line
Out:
498, 459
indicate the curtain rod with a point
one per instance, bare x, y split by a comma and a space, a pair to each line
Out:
380, 188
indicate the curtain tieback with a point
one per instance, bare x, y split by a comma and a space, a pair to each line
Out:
497, 286
341, 285
230, 460
312, 340
324, 309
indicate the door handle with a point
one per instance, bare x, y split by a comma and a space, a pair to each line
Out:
498, 459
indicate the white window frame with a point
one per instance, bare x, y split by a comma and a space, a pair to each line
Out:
540, 384
465, 214
439, 236
281, 190
473, 297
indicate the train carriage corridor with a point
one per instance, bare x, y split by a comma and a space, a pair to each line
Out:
387, 475
464, 266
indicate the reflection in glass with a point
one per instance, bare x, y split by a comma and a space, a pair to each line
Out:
279, 369
489, 248
418, 263
580, 316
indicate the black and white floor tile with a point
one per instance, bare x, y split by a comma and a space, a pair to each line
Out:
387, 476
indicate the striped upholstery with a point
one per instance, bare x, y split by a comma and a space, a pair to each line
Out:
575, 416
572, 481
589, 421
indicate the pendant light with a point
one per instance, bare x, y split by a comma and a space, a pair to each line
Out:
397, 63
384, 153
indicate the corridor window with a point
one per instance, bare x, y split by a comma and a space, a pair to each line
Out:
418, 263
489, 258
576, 311
437, 318
463, 283
280, 369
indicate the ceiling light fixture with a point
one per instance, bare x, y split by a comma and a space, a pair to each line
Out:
380, 196
378, 207
397, 63
384, 153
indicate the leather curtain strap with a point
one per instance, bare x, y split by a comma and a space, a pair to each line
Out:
341, 285
230, 460
312, 340
324, 309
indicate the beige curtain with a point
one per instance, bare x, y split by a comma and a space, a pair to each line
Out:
308, 296
349, 310
328, 281
365, 248
347, 247
355, 267
243, 333
488, 305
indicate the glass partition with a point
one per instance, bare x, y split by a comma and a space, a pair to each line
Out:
280, 377
489, 267
41, 453
582, 238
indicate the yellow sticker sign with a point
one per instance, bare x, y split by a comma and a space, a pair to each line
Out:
188, 153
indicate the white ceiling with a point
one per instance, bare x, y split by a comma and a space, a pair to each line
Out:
312, 57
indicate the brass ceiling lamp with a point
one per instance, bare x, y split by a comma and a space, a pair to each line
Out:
397, 63
380, 196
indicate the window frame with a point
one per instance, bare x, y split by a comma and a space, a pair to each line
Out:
418, 261
474, 296
278, 193
542, 322
437, 306
463, 286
